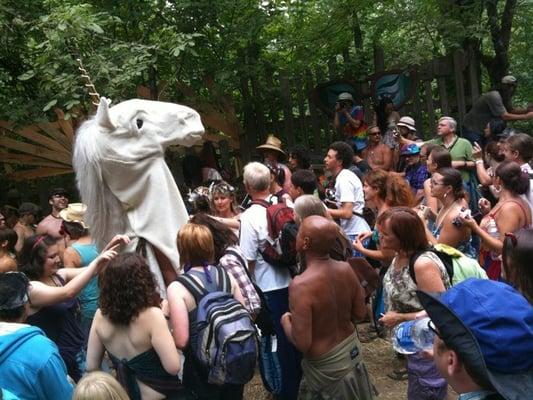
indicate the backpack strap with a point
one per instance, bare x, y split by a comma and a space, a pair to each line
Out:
224, 283
446, 260
194, 288
261, 202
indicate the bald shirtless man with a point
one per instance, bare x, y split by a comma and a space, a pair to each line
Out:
324, 301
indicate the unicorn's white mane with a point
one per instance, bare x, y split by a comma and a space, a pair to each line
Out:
121, 175
105, 215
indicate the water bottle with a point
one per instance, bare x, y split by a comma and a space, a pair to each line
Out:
411, 337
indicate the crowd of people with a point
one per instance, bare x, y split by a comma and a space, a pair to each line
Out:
305, 254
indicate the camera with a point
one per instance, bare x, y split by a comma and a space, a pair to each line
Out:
464, 214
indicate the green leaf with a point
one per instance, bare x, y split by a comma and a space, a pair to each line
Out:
49, 105
26, 75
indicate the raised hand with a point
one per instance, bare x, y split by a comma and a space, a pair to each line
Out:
118, 240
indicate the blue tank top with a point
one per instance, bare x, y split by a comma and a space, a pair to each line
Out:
88, 297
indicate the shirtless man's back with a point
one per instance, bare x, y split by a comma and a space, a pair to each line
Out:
323, 302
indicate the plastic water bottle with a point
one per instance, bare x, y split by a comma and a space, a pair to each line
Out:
411, 337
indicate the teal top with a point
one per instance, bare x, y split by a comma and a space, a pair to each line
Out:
88, 297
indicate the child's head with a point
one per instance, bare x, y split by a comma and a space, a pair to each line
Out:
99, 386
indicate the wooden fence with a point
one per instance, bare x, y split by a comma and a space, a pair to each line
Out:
287, 108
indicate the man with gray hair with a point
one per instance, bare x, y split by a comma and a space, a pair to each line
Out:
273, 281
460, 149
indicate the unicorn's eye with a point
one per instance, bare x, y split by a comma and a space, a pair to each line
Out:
139, 123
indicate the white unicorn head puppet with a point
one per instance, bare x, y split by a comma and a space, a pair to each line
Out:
124, 180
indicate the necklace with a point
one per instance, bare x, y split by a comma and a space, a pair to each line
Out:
444, 211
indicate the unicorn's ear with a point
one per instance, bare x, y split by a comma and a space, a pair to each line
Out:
102, 114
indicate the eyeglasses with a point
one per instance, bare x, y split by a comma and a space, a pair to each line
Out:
432, 328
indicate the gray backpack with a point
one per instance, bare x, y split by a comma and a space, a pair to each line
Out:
223, 338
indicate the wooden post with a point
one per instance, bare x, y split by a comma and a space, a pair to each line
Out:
287, 110
332, 68
273, 111
302, 118
257, 101
312, 110
472, 74
224, 155
417, 110
443, 94
379, 58
458, 67
429, 105
248, 140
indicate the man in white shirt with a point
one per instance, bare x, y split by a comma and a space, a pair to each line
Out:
273, 281
349, 194
519, 148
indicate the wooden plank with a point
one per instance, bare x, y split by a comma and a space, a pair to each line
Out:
23, 159
472, 74
66, 126
224, 155
35, 150
273, 106
417, 111
38, 173
287, 110
302, 118
458, 66
443, 94
379, 59
312, 110
326, 134
31, 132
333, 68
53, 130
258, 108
247, 142
430, 106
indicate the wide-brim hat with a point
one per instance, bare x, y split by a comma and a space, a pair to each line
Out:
408, 122
75, 212
272, 143
490, 326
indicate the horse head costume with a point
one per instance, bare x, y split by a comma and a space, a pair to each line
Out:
123, 178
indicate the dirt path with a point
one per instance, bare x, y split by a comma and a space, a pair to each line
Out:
379, 359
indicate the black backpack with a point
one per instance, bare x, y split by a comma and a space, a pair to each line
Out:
446, 259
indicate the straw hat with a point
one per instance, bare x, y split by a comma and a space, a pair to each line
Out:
75, 212
272, 143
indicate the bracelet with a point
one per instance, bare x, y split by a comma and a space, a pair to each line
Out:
479, 161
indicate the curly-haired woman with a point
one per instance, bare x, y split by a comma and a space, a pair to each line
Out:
53, 292
132, 328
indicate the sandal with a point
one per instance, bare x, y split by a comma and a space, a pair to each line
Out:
399, 374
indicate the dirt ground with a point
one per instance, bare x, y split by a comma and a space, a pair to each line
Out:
379, 359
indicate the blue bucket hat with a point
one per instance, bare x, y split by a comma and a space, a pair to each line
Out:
490, 326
